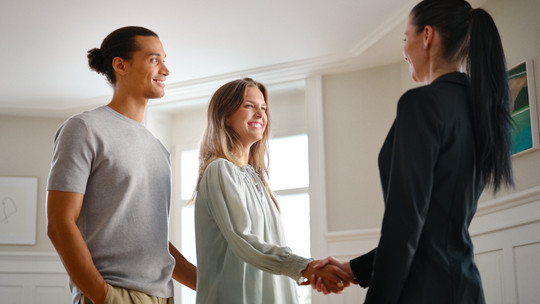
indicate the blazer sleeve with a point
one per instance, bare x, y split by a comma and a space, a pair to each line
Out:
416, 144
362, 267
227, 202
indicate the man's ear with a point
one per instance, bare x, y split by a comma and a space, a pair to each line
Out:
119, 65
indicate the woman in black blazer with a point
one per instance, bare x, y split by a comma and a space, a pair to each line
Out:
449, 139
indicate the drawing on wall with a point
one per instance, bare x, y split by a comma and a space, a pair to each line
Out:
18, 200
9, 208
523, 108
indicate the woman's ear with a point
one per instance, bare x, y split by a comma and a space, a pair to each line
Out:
428, 36
119, 65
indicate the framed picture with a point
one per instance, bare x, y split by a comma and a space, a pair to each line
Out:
18, 200
523, 108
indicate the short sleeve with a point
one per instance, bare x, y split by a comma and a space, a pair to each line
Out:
72, 157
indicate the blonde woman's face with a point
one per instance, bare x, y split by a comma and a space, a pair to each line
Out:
250, 119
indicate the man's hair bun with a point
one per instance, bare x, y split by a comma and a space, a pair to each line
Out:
96, 60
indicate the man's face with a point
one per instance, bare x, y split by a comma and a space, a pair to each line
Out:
146, 70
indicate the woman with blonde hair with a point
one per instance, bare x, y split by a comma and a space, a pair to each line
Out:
241, 251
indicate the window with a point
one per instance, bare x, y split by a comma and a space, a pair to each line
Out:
289, 180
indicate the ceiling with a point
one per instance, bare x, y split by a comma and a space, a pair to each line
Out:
44, 45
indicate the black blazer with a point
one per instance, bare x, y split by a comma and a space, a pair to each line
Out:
427, 172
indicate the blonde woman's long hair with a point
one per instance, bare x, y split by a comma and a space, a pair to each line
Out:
221, 141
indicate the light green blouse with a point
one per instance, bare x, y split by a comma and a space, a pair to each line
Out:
241, 252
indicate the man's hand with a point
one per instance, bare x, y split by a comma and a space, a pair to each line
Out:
63, 209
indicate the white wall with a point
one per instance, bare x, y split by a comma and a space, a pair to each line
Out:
26, 145
358, 109
30, 273
288, 111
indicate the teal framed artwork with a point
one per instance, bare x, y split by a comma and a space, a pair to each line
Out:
523, 108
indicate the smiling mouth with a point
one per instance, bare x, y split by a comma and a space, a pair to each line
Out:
160, 82
257, 125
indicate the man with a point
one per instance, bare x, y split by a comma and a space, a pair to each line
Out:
109, 187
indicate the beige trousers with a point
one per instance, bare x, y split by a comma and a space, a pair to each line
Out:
118, 295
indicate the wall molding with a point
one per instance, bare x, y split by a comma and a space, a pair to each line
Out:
482, 224
196, 91
33, 277
509, 201
353, 235
31, 262
506, 212
383, 29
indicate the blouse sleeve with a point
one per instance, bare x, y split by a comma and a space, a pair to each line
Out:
415, 148
227, 202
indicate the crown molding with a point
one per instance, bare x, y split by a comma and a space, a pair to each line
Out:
385, 28
197, 91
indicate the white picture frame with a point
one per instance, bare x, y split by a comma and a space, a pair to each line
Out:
18, 208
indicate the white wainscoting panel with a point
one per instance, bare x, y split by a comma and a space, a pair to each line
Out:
491, 266
506, 236
527, 265
33, 278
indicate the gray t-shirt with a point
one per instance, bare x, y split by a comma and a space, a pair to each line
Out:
124, 173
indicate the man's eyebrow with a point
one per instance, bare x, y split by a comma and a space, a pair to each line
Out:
157, 54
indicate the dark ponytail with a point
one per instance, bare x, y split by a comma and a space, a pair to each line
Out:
120, 43
486, 66
471, 36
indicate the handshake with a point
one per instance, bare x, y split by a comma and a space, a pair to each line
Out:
328, 275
